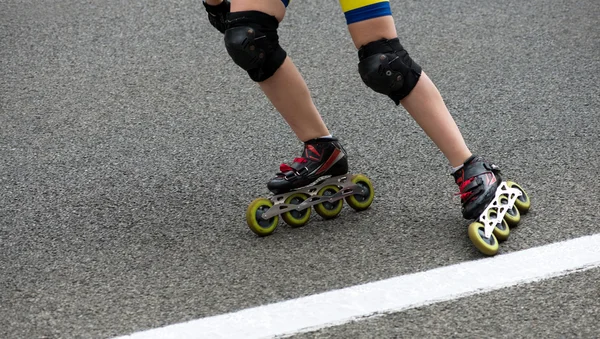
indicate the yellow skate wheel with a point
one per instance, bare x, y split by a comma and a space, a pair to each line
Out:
502, 231
329, 210
360, 202
296, 218
512, 216
254, 218
522, 203
487, 246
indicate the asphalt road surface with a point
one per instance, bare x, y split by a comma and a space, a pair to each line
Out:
131, 145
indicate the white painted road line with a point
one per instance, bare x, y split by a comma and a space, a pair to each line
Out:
391, 295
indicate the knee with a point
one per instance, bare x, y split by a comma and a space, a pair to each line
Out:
385, 67
252, 43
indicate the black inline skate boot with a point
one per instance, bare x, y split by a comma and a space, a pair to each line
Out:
477, 182
320, 157
493, 203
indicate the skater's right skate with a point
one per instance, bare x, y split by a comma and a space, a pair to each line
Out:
318, 178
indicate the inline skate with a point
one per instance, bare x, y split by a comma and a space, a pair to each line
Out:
318, 179
494, 204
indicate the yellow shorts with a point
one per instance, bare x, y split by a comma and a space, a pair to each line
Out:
360, 10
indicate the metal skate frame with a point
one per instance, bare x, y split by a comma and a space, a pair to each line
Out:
343, 182
490, 223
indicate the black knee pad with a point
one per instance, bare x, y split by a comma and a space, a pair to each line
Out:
252, 42
386, 68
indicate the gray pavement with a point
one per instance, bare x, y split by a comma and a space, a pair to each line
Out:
131, 145
539, 310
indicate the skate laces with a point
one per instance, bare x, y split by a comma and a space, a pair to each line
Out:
462, 186
286, 168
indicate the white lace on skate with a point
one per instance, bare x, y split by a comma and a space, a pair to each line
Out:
490, 223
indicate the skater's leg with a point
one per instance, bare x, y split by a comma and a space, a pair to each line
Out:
285, 87
386, 67
423, 101
251, 39
288, 92
426, 106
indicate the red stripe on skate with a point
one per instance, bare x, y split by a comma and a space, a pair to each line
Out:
332, 159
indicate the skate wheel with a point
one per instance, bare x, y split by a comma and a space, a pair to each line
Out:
523, 203
254, 220
296, 218
487, 246
329, 210
502, 231
512, 216
360, 202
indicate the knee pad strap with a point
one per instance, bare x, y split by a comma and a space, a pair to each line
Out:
253, 44
386, 67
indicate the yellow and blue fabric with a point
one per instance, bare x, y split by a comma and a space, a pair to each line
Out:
361, 10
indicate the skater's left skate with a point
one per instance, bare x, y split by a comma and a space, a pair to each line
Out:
318, 178
493, 203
